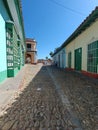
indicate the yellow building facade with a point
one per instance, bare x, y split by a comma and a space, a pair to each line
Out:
82, 41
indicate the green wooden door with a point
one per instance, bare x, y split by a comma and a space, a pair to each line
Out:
69, 60
78, 58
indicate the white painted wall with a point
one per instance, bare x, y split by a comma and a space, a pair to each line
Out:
62, 58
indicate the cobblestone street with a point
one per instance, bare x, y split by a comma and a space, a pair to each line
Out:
46, 100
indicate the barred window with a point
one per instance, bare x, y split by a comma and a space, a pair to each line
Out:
92, 57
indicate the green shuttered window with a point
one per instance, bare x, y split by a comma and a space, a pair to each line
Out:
10, 60
13, 55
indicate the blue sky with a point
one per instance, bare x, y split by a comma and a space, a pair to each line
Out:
51, 22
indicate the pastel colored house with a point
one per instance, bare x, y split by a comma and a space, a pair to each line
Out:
12, 39
59, 57
31, 51
82, 47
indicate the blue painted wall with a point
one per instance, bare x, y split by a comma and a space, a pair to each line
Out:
63, 58
3, 61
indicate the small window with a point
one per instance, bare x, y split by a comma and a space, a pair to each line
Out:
28, 45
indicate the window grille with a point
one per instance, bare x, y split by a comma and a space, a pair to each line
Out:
92, 57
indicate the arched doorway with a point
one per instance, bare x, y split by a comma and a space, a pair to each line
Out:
28, 58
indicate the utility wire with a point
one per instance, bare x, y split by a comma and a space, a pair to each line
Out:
72, 10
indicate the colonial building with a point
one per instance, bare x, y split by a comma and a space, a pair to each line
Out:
81, 47
31, 51
12, 39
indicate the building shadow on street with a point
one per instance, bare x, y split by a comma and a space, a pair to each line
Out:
29, 108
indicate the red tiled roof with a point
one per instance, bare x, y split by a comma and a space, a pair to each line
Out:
30, 40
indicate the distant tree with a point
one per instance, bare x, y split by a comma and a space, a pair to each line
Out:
46, 57
51, 53
57, 48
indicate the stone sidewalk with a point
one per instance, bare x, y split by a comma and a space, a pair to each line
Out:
39, 105
9, 87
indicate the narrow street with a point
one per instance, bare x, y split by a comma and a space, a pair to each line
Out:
52, 99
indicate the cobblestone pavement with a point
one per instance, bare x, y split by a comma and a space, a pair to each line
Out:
42, 102
82, 93
38, 106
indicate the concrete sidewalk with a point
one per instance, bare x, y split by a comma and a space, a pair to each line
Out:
9, 87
